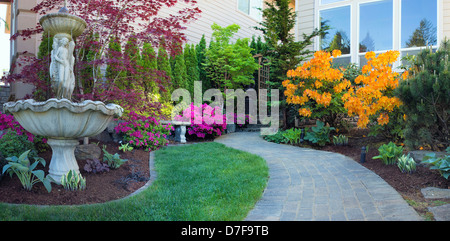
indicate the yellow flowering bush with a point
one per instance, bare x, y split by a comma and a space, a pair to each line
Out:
375, 97
317, 88
321, 91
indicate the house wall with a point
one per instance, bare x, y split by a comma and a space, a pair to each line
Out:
222, 12
305, 18
446, 18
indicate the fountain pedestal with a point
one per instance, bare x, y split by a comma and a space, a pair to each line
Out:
63, 158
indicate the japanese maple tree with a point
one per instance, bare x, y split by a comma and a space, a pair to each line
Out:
112, 20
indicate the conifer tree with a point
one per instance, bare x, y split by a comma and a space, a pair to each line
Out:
192, 69
149, 67
163, 65
115, 70
179, 72
426, 99
200, 49
133, 57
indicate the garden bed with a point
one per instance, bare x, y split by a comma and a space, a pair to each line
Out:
100, 187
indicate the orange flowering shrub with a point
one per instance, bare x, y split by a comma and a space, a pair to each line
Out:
317, 87
374, 98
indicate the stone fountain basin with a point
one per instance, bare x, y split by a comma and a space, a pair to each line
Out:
63, 23
63, 119
63, 122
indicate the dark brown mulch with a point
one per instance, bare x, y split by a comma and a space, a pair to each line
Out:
100, 187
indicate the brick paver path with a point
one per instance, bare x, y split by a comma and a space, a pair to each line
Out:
307, 184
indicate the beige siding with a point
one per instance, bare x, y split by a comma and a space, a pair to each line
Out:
305, 15
446, 18
222, 12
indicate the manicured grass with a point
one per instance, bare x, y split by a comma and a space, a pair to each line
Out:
206, 181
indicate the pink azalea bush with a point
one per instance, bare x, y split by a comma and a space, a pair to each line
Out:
205, 122
144, 132
7, 122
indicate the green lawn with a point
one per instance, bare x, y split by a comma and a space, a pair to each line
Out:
206, 181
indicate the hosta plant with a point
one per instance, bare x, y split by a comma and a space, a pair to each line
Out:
389, 153
114, 161
26, 172
406, 164
293, 135
319, 134
73, 181
340, 140
442, 164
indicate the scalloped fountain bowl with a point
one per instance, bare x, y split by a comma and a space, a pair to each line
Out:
63, 122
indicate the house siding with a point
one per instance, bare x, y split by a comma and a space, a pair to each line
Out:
446, 19
222, 12
305, 18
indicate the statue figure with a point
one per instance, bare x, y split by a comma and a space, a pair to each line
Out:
53, 69
62, 58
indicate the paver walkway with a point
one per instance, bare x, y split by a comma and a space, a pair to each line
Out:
307, 184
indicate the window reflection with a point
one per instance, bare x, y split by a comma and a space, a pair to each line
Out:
419, 23
375, 31
336, 21
251, 7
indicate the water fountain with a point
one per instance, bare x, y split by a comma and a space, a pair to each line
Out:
64, 122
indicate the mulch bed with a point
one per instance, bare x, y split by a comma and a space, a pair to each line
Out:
100, 187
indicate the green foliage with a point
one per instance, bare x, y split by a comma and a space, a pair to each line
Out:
73, 181
340, 140
125, 147
229, 65
179, 74
200, 50
149, 67
319, 134
426, 100
163, 65
293, 135
389, 153
406, 164
282, 50
115, 70
25, 171
12, 144
114, 161
442, 164
277, 137
192, 69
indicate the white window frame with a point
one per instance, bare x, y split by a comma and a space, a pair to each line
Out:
355, 24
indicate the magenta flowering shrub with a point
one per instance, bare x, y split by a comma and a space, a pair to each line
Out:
7, 122
144, 132
204, 121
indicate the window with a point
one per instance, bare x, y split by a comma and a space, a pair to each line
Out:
375, 26
419, 23
251, 8
330, 1
337, 23
358, 26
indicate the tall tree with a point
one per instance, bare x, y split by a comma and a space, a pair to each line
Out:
149, 68
283, 51
192, 70
163, 66
200, 49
